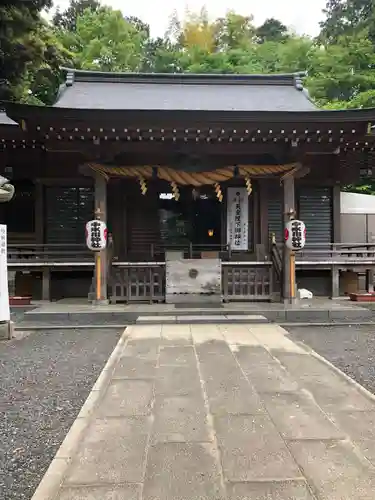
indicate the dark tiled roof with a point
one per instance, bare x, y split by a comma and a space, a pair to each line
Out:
128, 91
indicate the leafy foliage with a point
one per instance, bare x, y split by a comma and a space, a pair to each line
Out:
20, 43
345, 17
272, 30
67, 20
340, 63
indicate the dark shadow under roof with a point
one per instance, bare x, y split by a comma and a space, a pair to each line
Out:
183, 92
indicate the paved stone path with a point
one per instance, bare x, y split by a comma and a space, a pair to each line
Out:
214, 412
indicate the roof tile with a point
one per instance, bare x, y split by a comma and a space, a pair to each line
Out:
106, 91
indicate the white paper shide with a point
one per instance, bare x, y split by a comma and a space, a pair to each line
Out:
238, 218
4, 295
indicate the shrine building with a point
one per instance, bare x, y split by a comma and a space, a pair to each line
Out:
195, 176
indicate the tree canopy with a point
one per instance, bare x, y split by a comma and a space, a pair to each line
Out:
91, 35
340, 62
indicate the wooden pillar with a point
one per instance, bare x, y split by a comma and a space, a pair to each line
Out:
336, 213
101, 211
288, 211
39, 212
263, 213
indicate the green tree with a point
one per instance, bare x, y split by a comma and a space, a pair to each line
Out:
67, 20
234, 31
41, 78
272, 30
161, 56
20, 44
345, 17
342, 72
104, 40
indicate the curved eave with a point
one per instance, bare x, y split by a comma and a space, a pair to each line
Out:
19, 112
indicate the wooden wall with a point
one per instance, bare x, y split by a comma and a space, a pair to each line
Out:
133, 218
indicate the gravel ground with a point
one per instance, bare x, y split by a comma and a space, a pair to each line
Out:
44, 381
349, 348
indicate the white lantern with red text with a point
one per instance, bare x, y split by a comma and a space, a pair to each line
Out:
295, 235
96, 235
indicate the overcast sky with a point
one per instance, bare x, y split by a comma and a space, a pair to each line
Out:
302, 15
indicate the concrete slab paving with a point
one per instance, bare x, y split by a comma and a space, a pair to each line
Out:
155, 319
226, 387
360, 426
174, 380
207, 412
275, 340
190, 319
122, 492
188, 471
112, 452
146, 332
181, 419
205, 333
177, 356
330, 391
297, 416
141, 348
334, 471
238, 335
135, 368
126, 398
264, 372
252, 449
176, 334
290, 490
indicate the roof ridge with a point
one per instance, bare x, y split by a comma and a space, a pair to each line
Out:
77, 75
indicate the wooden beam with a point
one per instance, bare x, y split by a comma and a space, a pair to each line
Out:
302, 172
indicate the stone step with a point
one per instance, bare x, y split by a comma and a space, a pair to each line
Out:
202, 319
109, 315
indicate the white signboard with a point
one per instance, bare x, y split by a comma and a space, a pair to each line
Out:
4, 295
238, 218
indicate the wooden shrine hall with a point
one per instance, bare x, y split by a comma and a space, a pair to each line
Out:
195, 176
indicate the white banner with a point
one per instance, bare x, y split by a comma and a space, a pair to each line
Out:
238, 218
4, 295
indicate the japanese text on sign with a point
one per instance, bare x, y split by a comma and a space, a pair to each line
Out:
4, 295
3, 240
238, 219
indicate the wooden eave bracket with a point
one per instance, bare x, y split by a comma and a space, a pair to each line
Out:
297, 172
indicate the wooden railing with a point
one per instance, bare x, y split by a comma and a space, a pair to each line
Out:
337, 253
138, 282
247, 281
189, 250
276, 258
33, 255
145, 282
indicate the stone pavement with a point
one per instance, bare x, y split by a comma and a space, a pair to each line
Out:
214, 412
